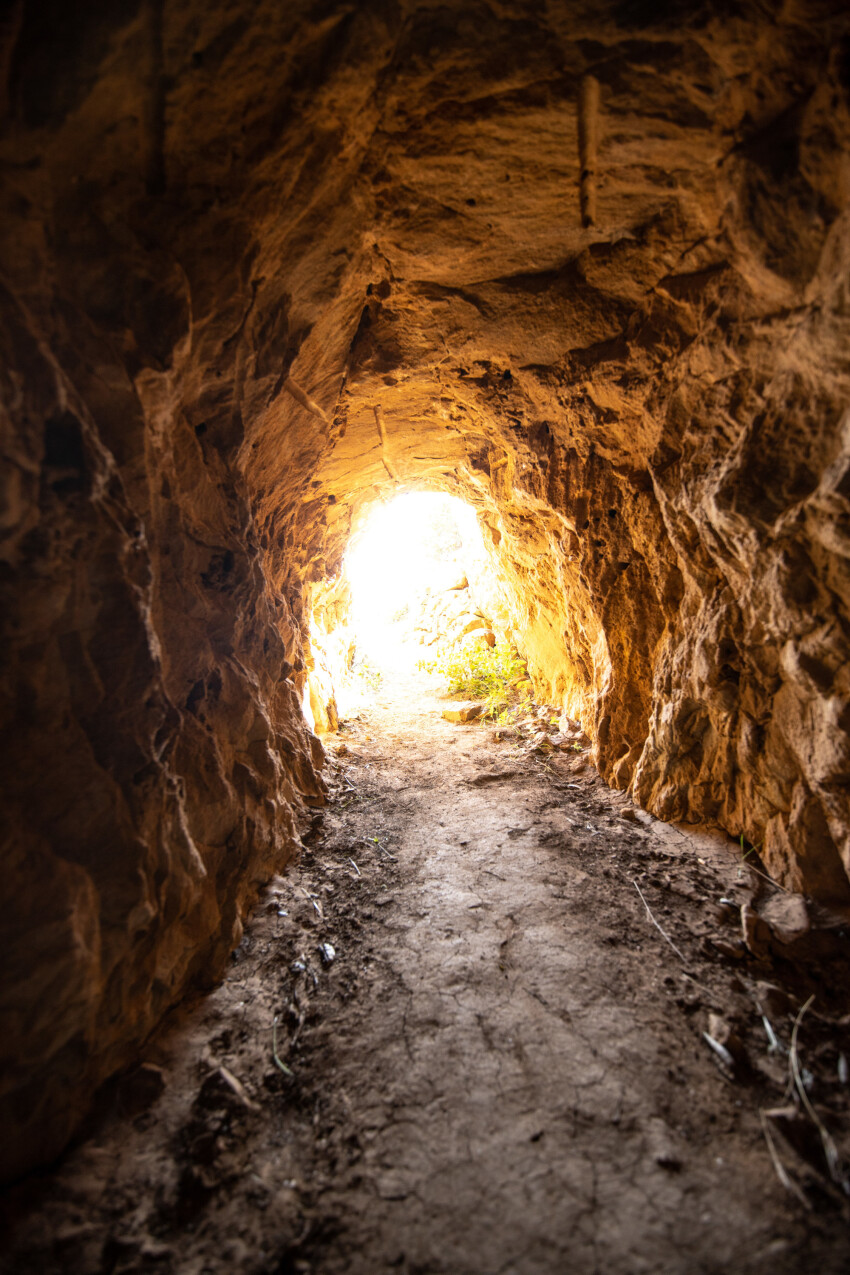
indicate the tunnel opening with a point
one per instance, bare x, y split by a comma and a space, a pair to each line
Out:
419, 598
412, 558
263, 269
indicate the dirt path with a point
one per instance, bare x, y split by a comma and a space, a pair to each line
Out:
498, 1070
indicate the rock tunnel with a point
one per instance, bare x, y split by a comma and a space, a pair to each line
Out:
585, 266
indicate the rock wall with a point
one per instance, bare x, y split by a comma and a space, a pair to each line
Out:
586, 266
650, 413
155, 762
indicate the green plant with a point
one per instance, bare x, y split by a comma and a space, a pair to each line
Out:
368, 673
506, 715
745, 854
494, 674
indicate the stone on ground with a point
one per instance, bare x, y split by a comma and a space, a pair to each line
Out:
465, 711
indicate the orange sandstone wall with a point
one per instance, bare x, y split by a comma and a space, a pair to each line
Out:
261, 263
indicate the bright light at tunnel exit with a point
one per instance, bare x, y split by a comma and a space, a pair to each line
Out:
414, 545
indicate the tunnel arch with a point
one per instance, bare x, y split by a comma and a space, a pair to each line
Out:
350, 262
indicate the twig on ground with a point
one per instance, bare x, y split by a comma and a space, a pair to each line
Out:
662, 932
354, 866
769, 880
781, 1172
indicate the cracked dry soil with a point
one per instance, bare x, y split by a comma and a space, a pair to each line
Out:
501, 1070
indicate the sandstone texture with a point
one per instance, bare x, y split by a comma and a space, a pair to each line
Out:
586, 266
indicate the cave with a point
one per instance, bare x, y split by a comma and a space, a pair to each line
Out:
585, 269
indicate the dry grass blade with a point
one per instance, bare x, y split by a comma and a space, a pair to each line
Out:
770, 881
663, 933
781, 1172
830, 1150
757, 871
774, 1045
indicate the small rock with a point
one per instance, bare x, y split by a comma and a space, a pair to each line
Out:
788, 917
465, 711
575, 735
327, 953
756, 933
342, 750
732, 951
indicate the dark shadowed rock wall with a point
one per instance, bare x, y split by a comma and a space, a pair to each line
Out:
261, 262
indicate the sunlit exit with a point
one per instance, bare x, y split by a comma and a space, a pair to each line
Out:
413, 550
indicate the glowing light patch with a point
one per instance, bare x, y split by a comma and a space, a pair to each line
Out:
410, 546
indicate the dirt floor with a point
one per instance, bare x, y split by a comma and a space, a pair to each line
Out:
493, 1060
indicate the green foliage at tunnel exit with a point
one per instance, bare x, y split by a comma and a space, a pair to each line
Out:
497, 675
367, 672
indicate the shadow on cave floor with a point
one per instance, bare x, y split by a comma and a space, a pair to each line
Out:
494, 1061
